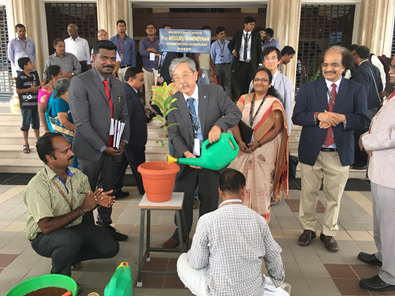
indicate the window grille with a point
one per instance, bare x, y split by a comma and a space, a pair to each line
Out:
5, 65
321, 26
60, 15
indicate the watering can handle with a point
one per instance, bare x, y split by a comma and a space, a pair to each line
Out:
233, 140
120, 270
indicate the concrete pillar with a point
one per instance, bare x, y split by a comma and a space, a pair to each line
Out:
27, 12
109, 12
376, 25
284, 18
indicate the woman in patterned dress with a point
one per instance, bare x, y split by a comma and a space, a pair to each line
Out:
264, 161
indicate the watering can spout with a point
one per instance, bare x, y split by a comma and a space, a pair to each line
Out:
171, 159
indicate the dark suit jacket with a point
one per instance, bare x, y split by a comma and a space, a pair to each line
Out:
350, 101
256, 49
164, 68
363, 75
137, 118
92, 113
215, 108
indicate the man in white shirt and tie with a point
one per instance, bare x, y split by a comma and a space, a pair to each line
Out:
79, 47
247, 51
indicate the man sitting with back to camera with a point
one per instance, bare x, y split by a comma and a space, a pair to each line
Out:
57, 198
227, 248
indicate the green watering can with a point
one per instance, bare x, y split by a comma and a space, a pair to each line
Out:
121, 283
215, 157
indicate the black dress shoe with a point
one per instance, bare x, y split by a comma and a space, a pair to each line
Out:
359, 167
306, 237
369, 259
141, 192
329, 243
376, 284
116, 234
121, 194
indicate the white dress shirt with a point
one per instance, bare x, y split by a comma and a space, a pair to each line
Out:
78, 47
241, 51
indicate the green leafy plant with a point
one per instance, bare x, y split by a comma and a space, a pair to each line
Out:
163, 100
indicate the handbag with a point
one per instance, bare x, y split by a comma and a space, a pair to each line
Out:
246, 132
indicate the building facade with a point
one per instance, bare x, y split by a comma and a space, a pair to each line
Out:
308, 26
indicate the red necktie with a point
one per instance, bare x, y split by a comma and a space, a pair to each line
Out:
110, 138
329, 139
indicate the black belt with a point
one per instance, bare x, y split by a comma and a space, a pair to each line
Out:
328, 149
247, 62
223, 64
82, 62
124, 66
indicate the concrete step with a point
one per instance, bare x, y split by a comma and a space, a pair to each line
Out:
15, 127
17, 139
33, 165
15, 151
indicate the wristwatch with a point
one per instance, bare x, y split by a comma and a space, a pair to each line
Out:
72, 73
316, 116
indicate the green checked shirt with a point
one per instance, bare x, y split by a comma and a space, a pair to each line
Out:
43, 198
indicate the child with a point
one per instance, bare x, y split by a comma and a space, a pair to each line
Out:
27, 86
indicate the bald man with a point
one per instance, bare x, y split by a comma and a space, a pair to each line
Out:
78, 46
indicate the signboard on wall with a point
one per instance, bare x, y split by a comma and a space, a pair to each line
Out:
185, 41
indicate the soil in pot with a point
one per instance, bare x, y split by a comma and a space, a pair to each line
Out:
49, 291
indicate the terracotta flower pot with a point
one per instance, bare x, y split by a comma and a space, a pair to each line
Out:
158, 184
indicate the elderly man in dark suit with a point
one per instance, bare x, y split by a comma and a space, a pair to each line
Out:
246, 48
368, 75
134, 153
329, 109
96, 97
203, 112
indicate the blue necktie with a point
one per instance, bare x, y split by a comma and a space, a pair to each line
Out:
245, 47
192, 112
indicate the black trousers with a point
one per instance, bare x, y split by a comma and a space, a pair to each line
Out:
66, 246
101, 174
245, 75
208, 183
133, 156
360, 157
84, 67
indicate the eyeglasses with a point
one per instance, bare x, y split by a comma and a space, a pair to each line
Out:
150, 28
261, 80
182, 76
266, 58
392, 67
333, 65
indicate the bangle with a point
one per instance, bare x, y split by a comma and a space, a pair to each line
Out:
259, 143
82, 212
238, 141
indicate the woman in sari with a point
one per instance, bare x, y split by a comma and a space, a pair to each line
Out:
264, 161
54, 73
59, 113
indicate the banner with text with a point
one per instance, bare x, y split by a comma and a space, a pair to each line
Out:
188, 41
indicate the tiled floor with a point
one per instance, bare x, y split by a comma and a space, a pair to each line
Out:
310, 271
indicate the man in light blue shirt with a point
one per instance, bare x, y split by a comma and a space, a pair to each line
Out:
20, 47
126, 47
222, 58
270, 41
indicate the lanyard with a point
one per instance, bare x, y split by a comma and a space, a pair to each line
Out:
25, 42
149, 42
252, 119
64, 196
119, 44
223, 47
230, 201
330, 96
195, 124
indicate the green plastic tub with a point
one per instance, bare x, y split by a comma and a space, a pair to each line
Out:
44, 281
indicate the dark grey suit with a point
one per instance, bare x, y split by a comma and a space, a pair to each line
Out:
91, 112
215, 108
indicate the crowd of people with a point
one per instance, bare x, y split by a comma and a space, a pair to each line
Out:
85, 91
